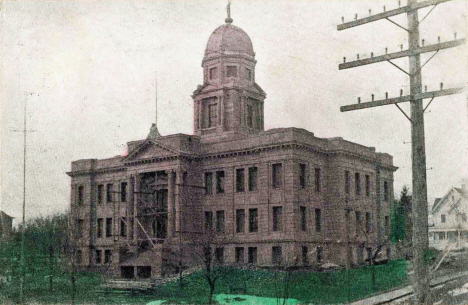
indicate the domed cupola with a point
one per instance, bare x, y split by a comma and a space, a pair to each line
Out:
229, 39
229, 101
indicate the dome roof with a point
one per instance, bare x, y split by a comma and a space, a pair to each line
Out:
229, 39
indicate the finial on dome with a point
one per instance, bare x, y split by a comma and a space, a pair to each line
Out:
228, 8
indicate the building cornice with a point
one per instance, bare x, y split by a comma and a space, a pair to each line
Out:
97, 171
291, 145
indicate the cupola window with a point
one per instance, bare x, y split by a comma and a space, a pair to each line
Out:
212, 115
213, 73
248, 74
250, 116
231, 71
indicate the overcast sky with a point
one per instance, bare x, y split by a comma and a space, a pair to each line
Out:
89, 68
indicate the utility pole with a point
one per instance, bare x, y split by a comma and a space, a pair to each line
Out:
23, 223
420, 211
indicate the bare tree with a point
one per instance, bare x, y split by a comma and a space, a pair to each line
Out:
373, 252
208, 251
283, 280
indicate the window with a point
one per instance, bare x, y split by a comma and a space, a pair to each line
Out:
154, 227
231, 71
305, 258
220, 182
123, 191
123, 227
79, 256
252, 179
212, 115
318, 180
219, 255
250, 116
100, 193
387, 225
248, 74
360, 253
276, 255
98, 257
240, 255
442, 218
277, 218
107, 256
240, 221
369, 252
208, 220
347, 182
385, 186
80, 195
302, 175
109, 192
303, 219
358, 222
318, 220
220, 221
208, 183
240, 180
253, 220
441, 235
79, 228
277, 175
368, 222
108, 227
213, 73
357, 182
100, 227
252, 252
319, 254
367, 185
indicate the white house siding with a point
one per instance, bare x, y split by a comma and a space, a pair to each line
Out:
449, 227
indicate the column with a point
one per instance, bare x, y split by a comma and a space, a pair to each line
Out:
176, 207
135, 207
170, 202
129, 208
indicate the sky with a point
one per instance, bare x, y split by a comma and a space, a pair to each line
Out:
87, 70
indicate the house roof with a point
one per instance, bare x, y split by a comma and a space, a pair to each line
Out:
462, 192
438, 201
5, 215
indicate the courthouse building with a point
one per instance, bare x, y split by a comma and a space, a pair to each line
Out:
279, 196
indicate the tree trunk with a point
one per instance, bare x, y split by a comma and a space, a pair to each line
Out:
212, 288
374, 285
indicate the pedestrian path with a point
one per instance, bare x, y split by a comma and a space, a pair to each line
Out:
389, 296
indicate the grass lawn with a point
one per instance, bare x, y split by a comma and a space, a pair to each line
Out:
306, 287
310, 287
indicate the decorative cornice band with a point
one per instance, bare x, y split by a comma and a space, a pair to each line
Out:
234, 153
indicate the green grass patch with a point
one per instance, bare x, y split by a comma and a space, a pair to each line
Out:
314, 287
306, 287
